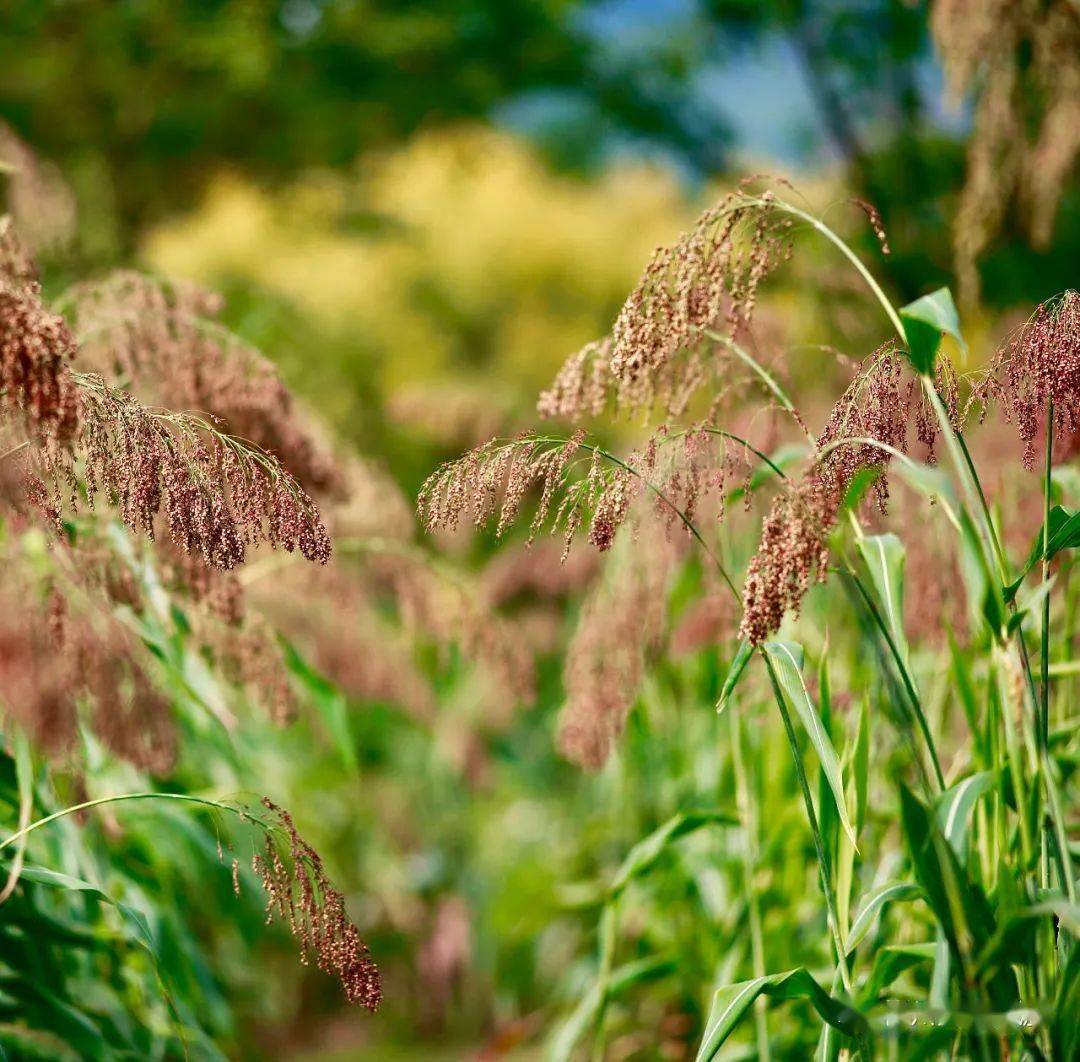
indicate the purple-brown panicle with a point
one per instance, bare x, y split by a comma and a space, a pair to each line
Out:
793, 552
61, 658
622, 618
1037, 367
216, 495
299, 893
36, 348
161, 339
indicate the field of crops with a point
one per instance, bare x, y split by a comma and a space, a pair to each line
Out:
466, 602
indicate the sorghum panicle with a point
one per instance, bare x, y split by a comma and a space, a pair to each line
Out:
622, 617
1038, 365
217, 496
299, 893
793, 552
35, 351
161, 340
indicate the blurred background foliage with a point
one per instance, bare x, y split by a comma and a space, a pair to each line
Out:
418, 208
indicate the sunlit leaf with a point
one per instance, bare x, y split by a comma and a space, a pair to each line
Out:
924, 322
787, 658
730, 1004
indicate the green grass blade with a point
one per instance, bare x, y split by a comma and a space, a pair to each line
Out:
647, 851
884, 556
787, 659
730, 1005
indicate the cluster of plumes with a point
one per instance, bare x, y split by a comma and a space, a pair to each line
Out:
68, 661
301, 895
621, 619
36, 387
793, 552
491, 482
578, 482
36, 195
582, 386
216, 495
1022, 58
708, 280
159, 340
1038, 366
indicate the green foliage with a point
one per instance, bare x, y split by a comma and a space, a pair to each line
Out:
925, 320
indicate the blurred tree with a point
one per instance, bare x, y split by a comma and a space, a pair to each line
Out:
140, 102
870, 69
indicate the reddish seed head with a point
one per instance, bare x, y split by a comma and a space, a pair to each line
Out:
299, 893
1039, 364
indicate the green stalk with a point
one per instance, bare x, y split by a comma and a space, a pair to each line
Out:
815, 829
1044, 723
849, 254
607, 957
745, 804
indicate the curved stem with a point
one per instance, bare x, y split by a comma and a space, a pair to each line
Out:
86, 805
850, 255
766, 378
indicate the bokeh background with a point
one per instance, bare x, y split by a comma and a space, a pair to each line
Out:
418, 209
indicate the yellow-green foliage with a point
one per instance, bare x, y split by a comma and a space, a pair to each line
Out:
456, 251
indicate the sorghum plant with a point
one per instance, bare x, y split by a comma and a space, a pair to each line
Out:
89, 667
984, 962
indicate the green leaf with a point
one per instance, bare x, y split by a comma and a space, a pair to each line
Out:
860, 483
24, 1043
860, 764
884, 556
954, 808
738, 666
566, 1037
961, 909
1065, 1024
1063, 529
647, 851
55, 880
889, 963
924, 322
787, 659
730, 1004
874, 904
986, 600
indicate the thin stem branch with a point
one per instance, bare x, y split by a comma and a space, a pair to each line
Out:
88, 804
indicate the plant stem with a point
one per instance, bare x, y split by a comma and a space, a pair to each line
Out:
850, 255
745, 804
1044, 721
819, 843
86, 805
